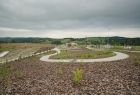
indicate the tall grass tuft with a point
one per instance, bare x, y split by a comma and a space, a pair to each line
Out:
60, 71
77, 76
19, 74
137, 62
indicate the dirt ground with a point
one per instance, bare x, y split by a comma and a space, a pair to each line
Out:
42, 78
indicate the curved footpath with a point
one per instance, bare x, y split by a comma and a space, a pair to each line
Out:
118, 56
4, 53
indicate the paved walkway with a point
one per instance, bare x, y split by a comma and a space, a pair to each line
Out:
118, 56
4, 53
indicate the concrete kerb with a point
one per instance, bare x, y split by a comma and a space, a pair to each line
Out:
119, 56
16, 59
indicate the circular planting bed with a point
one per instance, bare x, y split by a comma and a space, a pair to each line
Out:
82, 54
65, 56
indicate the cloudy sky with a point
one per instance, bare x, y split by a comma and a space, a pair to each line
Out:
69, 18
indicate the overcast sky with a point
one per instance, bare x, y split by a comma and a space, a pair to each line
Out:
69, 18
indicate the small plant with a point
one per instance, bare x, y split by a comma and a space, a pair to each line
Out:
4, 71
60, 71
82, 56
5, 74
6, 60
136, 62
19, 57
82, 62
19, 74
77, 76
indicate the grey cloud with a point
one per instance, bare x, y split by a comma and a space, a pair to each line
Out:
65, 14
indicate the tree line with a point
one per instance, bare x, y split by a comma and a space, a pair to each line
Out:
89, 40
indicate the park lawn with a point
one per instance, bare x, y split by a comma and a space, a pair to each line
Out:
86, 54
136, 48
21, 50
15, 46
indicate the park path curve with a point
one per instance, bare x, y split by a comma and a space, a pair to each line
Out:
118, 56
4, 53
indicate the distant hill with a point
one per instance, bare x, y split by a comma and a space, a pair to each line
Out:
90, 40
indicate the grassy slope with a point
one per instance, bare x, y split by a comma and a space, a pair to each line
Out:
14, 46
21, 49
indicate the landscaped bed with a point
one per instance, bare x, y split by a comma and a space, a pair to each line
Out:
82, 54
33, 77
22, 50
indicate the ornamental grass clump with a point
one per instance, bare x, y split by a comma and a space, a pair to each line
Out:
77, 76
19, 74
60, 71
137, 62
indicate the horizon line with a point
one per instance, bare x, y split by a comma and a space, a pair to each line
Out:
69, 37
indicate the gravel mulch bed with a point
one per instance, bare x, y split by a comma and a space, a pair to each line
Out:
42, 78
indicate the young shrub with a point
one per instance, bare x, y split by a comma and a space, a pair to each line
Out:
77, 76
19, 57
82, 56
137, 62
60, 71
82, 62
4, 71
5, 74
19, 74
6, 60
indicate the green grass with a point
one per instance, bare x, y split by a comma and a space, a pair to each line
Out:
118, 48
19, 74
136, 48
50, 52
60, 71
5, 49
77, 76
136, 62
86, 54
5, 73
47, 53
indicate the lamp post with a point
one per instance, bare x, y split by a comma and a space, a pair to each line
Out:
86, 41
108, 42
